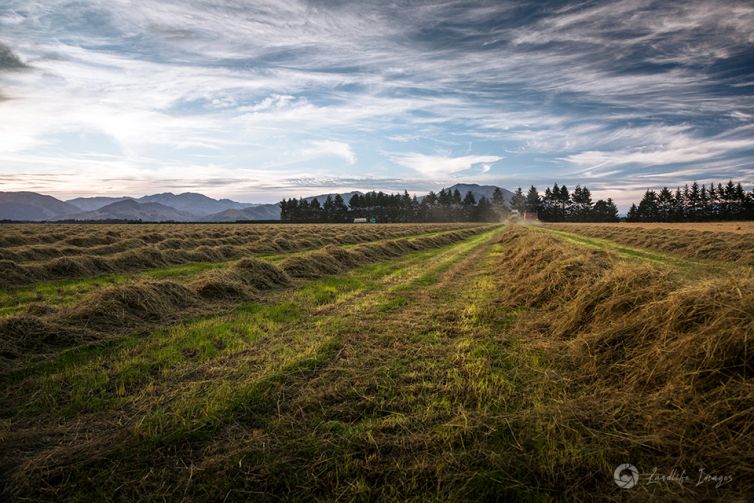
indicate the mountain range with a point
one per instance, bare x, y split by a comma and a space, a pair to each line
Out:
186, 207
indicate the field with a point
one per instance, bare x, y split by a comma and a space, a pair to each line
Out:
401, 362
686, 240
735, 227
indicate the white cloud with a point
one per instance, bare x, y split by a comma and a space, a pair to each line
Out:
330, 148
275, 101
434, 166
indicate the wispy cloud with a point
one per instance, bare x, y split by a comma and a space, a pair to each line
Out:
330, 148
512, 92
443, 166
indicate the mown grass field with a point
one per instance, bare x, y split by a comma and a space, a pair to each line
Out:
374, 363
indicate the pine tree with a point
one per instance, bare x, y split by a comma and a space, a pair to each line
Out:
703, 204
315, 211
533, 202
497, 197
565, 203
484, 211
665, 205
694, 202
328, 210
647, 211
740, 198
303, 211
633, 214
431, 198
498, 204
456, 198
550, 204
730, 200
604, 211
340, 210
678, 205
469, 202
518, 201
713, 197
582, 203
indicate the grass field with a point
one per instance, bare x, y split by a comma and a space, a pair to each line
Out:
735, 227
687, 240
405, 362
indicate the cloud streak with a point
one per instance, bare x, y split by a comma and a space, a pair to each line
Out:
424, 92
437, 166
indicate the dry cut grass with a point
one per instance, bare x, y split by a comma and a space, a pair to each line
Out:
512, 366
645, 362
121, 309
699, 244
33, 253
743, 227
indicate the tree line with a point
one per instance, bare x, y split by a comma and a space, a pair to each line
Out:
692, 203
445, 206
696, 203
557, 204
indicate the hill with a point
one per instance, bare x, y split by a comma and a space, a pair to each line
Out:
32, 206
95, 203
257, 212
130, 209
196, 204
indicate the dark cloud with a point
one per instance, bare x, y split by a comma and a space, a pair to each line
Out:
9, 60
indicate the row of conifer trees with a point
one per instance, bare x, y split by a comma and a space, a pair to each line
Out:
557, 204
695, 203
445, 206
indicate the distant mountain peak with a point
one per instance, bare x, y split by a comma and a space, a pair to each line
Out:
27, 205
195, 203
130, 209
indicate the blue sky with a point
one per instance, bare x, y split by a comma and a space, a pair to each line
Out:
256, 100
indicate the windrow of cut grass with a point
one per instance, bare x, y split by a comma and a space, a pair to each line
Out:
156, 417
141, 254
60, 292
698, 244
646, 366
40, 241
121, 309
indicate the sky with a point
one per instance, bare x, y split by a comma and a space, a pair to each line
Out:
257, 100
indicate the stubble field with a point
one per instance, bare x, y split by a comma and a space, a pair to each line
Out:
399, 362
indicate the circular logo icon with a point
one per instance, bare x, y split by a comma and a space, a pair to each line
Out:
626, 476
